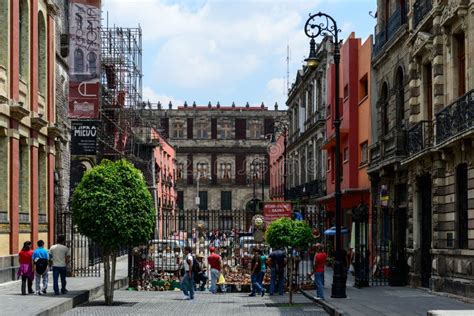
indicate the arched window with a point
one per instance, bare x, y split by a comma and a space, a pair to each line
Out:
4, 33
91, 60
384, 108
78, 61
42, 62
400, 97
24, 40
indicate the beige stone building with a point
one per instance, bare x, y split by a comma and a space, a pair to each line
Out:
223, 150
438, 117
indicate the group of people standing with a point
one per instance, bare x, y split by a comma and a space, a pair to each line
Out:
35, 265
195, 272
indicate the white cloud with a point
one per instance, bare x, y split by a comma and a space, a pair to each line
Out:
276, 91
150, 95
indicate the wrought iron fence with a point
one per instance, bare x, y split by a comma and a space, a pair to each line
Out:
455, 118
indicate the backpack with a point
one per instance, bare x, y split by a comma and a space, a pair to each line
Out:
196, 268
41, 265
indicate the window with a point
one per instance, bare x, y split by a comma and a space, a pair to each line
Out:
364, 153
384, 109
226, 200
428, 91
24, 183
180, 200
346, 154
462, 205
203, 200
42, 63
256, 130
4, 142
24, 39
226, 171
179, 171
363, 87
202, 130
42, 184
203, 169
226, 130
178, 130
400, 98
4, 32
460, 63
255, 170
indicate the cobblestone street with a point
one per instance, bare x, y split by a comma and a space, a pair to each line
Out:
172, 303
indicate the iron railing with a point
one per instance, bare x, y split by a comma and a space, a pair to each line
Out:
420, 137
313, 188
455, 118
420, 9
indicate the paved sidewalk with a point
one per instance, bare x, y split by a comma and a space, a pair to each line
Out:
386, 300
80, 291
171, 303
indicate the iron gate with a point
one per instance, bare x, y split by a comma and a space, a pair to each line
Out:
360, 216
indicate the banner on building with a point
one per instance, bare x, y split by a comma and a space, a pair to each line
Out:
84, 58
84, 138
275, 210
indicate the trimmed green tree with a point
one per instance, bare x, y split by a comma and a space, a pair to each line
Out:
112, 206
292, 235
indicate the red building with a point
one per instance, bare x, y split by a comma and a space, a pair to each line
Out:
27, 126
165, 177
277, 168
355, 129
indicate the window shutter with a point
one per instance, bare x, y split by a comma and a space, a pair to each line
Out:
203, 200
214, 128
190, 127
165, 127
180, 200
214, 169
190, 169
241, 174
268, 126
226, 200
240, 128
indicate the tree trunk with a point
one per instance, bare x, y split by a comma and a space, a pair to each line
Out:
112, 281
107, 278
291, 278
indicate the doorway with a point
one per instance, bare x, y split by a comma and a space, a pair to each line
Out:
424, 188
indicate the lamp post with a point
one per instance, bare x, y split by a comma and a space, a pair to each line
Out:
323, 24
256, 162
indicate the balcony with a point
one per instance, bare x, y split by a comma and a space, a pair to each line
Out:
374, 152
420, 9
456, 118
313, 188
420, 137
388, 31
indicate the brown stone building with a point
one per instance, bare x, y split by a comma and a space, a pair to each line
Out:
222, 150
425, 72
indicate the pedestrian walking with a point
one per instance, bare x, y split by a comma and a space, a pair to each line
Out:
277, 263
40, 259
319, 264
215, 263
60, 255
187, 282
25, 272
256, 273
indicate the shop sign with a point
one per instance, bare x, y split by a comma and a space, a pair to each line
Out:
275, 210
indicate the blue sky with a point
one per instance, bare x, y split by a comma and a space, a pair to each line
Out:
228, 50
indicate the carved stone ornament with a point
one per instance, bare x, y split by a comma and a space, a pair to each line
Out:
451, 10
423, 40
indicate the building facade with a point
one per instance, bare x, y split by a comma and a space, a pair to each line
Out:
440, 174
278, 172
389, 113
306, 161
424, 72
165, 181
27, 114
354, 112
221, 158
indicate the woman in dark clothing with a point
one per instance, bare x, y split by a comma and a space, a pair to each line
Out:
26, 268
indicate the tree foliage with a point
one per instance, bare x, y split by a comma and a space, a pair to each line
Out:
112, 205
288, 233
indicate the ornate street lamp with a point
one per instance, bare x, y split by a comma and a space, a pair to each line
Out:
323, 24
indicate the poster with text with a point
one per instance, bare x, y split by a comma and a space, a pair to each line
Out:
275, 210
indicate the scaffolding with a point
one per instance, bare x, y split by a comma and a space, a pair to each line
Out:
123, 132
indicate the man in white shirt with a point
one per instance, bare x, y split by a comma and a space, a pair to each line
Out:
60, 255
187, 283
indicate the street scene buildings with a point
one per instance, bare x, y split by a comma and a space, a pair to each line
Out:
371, 150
